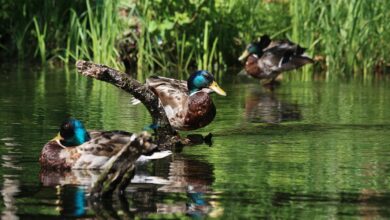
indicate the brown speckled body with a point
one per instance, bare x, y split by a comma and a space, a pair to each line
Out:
50, 156
252, 68
183, 111
92, 154
274, 58
201, 111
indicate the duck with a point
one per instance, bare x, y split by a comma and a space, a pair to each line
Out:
75, 148
187, 104
265, 59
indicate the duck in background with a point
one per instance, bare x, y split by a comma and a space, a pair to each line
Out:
266, 59
188, 104
76, 148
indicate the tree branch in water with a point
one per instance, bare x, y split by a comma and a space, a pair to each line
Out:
166, 134
120, 170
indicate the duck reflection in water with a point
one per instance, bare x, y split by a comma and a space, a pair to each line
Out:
194, 178
265, 107
151, 191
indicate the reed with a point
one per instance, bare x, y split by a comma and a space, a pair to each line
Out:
350, 35
176, 36
41, 40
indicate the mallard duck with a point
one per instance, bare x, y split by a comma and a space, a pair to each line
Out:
76, 148
266, 59
188, 105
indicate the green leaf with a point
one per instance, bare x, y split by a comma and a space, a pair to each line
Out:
166, 25
182, 18
152, 26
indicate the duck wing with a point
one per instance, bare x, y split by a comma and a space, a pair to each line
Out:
173, 93
105, 143
160, 83
284, 57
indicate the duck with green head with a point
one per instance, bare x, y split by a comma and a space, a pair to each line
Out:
266, 59
188, 104
76, 148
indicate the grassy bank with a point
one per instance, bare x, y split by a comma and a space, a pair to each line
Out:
348, 37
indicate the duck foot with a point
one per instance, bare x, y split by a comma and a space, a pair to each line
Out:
195, 139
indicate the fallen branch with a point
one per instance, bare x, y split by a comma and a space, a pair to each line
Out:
166, 135
120, 170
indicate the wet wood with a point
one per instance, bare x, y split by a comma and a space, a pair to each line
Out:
121, 169
166, 135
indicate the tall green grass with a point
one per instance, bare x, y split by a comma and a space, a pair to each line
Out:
61, 30
176, 36
194, 35
41, 40
93, 34
351, 35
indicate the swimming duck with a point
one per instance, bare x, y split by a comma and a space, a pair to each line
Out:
76, 148
266, 59
188, 105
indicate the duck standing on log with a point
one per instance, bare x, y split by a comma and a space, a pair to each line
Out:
266, 59
188, 104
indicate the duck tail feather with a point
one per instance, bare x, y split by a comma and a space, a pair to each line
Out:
300, 50
296, 62
135, 101
264, 41
154, 156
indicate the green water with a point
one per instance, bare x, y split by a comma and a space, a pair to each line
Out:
307, 150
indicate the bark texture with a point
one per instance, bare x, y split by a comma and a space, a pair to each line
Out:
166, 135
121, 169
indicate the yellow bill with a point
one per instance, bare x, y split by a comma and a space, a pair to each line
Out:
215, 87
244, 55
58, 137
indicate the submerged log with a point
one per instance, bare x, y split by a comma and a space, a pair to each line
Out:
166, 135
120, 170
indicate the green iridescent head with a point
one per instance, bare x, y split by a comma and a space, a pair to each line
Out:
72, 133
203, 79
256, 47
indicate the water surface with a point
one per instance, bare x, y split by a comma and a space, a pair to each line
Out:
304, 150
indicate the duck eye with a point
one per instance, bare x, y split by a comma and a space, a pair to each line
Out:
66, 130
208, 77
66, 126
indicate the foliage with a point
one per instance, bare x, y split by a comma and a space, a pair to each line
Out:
351, 35
67, 30
199, 34
348, 37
